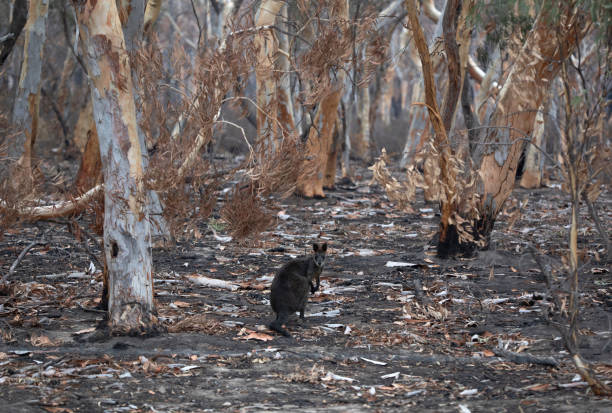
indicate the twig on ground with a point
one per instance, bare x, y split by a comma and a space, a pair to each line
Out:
20, 257
213, 282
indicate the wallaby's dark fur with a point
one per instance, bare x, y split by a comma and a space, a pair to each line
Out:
290, 286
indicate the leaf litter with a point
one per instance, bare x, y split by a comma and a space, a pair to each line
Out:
391, 328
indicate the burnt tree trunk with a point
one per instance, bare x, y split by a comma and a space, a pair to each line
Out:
127, 234
27, 101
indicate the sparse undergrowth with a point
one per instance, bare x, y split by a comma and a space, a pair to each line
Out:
378, 336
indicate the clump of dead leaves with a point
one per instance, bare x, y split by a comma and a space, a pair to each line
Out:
197, 323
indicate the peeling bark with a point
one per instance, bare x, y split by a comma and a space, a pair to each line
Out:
127, 238
267, 87
441, 138
532, 171
363, 149
27, 101
90, 170
320, 148
453, 89
512, 123
151, 14
59, 209
419, 131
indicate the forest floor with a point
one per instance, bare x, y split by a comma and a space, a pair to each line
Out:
418, 336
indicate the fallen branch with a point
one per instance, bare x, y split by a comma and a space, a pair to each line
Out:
213, 282
525, 358
60, 209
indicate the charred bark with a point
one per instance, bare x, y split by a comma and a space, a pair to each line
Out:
18, 20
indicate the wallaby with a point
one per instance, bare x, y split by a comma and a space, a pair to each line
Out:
289, 291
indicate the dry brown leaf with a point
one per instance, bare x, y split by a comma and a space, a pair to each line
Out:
257, 336
41, 341
249, 285
181, 304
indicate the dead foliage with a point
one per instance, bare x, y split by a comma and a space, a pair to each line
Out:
312, 376
199, 323
460, 191
334, 46
249, 210
246, 212
179, 123
400, 193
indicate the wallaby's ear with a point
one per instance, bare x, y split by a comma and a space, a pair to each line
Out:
324, 246
315, 247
